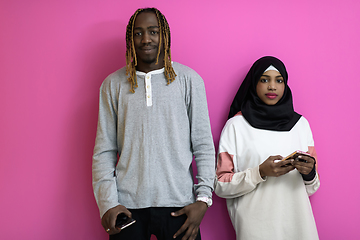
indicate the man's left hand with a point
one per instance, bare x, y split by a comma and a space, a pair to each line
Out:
195, 213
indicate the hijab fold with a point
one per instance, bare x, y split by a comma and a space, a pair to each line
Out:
278, 117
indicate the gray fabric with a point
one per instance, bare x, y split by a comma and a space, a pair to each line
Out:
156, 144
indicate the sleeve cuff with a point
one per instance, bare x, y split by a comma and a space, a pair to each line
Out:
310, 182
311, 176
257, 176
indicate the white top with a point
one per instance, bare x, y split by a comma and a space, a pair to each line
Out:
274, 208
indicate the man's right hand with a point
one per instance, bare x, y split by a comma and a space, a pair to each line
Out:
109, 219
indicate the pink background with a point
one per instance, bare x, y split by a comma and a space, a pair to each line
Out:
55, 54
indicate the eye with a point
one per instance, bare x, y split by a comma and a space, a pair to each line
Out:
280, 80
154, 32
263, 80
137, 33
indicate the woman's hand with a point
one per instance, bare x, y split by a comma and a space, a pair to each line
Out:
303, 164
273, 167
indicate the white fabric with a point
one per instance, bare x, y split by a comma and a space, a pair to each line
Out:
274, 208
271, 67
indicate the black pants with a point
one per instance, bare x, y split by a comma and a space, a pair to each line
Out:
156, 221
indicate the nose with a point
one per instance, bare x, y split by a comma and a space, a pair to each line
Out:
271, 86
146, 38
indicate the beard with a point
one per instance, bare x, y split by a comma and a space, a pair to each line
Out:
149, 60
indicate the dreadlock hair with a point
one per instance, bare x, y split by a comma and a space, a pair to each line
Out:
131, 61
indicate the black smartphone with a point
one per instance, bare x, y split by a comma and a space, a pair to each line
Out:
123, 221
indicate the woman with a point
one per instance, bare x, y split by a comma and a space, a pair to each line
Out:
267, 198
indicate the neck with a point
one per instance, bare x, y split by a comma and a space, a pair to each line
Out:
148, 67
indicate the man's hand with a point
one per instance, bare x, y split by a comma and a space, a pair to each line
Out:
270, 167
109, 219
195, 213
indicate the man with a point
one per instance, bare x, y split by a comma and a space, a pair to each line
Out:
153, 120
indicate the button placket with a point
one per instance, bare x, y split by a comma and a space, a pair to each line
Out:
148, 90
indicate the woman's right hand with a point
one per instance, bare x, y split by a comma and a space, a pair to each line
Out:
109, 219
272, 167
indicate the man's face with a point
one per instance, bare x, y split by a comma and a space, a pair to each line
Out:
146, 40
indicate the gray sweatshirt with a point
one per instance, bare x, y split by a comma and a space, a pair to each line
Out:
146, 141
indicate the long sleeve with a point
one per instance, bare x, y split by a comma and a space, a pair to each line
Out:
229, 184
105, 152
201, 137
146, 141
251, 200
240, 183
313, 185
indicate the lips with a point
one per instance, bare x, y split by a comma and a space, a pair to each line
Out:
147, 49
271, 95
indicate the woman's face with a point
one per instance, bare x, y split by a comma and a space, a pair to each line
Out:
270, 87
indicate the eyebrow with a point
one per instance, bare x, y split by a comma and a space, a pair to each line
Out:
150, 27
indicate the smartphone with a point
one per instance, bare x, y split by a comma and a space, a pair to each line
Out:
123, 221
296, 154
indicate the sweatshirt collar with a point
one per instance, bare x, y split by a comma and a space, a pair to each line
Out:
157, 71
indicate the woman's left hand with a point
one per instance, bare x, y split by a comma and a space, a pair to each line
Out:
303, 164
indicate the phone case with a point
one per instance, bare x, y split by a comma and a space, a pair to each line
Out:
295, 154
